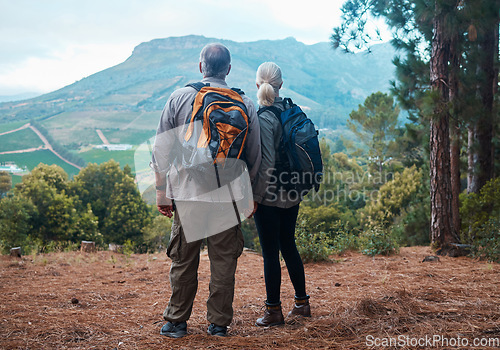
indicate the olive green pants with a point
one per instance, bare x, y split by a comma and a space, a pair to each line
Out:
223, 251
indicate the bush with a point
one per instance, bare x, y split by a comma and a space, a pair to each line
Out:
412, 227
487, 241
15, 224
480, 213
378, 241
393, 197
477, 208
55, 246
157, 234
344, 240
312, 245
250, 235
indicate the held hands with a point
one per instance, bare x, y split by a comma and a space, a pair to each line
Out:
249, 212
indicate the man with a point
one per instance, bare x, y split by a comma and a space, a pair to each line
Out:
225, 247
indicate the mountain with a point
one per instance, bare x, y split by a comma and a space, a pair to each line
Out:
130, 95
122, 104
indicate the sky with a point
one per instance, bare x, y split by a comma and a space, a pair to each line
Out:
48, 44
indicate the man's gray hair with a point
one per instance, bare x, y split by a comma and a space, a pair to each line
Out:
215, 60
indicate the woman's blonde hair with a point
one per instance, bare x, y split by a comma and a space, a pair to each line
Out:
269, 81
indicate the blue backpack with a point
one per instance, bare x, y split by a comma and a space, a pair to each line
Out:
300, 167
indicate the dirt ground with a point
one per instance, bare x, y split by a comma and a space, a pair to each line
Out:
358, 302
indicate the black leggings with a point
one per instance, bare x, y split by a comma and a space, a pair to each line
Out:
276, 227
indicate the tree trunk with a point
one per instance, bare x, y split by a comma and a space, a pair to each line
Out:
481, 140
485, 122
15, 252
496, 120
442, 234
455, 134
88, 247
117, 248
472, 178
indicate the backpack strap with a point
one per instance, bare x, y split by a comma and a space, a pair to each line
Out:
275, 110
198, 86
239, 91
288, 101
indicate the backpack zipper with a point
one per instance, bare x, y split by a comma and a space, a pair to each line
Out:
310, 160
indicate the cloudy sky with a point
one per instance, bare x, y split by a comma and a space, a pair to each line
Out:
48, 44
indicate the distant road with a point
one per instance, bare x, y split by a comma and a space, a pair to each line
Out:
49, 146
102, 137
25, 126
46, 143
25, 150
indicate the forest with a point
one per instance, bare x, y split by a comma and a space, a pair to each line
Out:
433, 180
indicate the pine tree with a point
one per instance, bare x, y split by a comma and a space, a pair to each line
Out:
442, 233
419, 27
483, 32
375, 123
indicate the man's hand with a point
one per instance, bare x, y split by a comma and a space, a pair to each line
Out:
166, 210
165, 205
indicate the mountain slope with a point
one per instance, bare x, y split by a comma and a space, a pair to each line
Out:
329, 82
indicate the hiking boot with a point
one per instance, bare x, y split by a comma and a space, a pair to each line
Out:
174, 329
220, 331
273, 316
301, 308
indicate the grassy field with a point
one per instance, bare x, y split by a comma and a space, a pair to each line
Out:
11, 126
118, 126
100, 156
95, 119
32, 159
130, 136
22, 139
75, 136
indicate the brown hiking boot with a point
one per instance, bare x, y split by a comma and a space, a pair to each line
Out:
273, 316
301, 308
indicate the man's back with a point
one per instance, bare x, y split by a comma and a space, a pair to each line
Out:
173, 122
225, 242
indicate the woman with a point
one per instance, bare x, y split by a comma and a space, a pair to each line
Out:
277, 209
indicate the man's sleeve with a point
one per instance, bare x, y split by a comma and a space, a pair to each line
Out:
160, 157
164, 140
252, 148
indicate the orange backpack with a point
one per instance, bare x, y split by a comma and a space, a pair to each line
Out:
224, 117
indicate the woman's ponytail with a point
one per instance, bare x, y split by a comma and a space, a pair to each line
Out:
269, 81
266, 94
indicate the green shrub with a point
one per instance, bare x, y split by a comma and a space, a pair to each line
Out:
157, 234
487, 241
129, 247
477, 208
480, 213
15, 223
55, 247
250, 235
412, 226
344, 240
393, 197
378, 241
312, 244
256, 245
